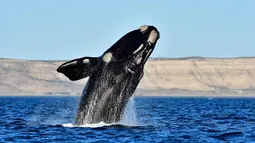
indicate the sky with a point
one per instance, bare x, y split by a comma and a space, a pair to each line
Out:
68, 29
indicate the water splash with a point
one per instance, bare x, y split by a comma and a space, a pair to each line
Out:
129, 116
108, 102
96, 125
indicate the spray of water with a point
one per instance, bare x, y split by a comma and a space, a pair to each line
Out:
129, 116
107, 102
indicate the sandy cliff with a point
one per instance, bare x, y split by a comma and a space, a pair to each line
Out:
183, 76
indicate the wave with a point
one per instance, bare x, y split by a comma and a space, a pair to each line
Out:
99, 125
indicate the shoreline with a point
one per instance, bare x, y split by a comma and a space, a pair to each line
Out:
140, 92
141, 96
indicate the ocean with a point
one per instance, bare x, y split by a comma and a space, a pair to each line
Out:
147, 119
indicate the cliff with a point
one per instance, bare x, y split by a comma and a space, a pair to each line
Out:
180, 76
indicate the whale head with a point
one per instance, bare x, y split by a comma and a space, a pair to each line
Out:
136, 45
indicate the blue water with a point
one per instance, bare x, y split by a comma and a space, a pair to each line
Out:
48, 119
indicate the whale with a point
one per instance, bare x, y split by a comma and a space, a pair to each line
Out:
112, 77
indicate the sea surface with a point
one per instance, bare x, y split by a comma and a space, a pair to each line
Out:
146, 119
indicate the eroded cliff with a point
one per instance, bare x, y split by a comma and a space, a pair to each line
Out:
162, 76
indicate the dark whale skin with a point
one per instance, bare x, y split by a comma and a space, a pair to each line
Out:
113, 77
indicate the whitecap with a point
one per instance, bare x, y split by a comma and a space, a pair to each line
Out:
96, 125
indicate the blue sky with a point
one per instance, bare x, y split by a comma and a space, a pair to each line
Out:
67, 29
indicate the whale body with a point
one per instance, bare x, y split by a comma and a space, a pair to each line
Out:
113, 77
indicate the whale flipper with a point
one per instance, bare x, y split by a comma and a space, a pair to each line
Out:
78, 68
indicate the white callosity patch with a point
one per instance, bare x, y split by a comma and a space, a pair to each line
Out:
129, 70
107, 57
139, 48
143, 28
70, 63
139, 60
150, 51
153, 37
85, 61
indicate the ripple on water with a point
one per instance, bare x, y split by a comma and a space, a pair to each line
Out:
49, 119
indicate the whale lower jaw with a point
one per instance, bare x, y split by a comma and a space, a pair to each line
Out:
143, 52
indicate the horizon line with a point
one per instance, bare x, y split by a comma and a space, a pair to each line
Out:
151, 58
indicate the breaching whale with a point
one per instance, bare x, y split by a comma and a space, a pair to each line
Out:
113, 77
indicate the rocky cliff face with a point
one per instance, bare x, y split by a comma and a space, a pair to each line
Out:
162, 76
19, 77
210, 76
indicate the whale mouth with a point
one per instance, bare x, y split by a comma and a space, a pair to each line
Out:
143, 52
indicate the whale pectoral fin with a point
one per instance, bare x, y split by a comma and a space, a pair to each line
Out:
78, 68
